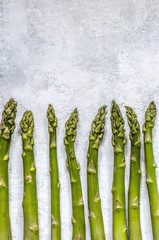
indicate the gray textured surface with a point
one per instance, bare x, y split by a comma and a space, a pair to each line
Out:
77, 54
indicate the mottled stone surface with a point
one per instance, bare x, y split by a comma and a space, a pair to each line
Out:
77, 54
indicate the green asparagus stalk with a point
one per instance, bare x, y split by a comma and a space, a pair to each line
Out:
135, 175
94, 201
7, 127
118, 190
150, 166
54, 176
30, 202
73, 166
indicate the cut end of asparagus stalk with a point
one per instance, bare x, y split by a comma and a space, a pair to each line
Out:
97, 127
117, 121
27, 125
150, 114
134, 126
71, 126
7, 125
52, 120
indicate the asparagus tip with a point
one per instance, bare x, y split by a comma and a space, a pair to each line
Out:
97, 127
150, 114
27, 123
117, 121
133, 123
71, 125
52, 120
7, 124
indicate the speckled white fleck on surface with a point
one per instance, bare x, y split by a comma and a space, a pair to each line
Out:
77, 54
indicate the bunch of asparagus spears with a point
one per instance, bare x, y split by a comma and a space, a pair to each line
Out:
30, 203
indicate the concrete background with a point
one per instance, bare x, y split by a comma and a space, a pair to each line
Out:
77, 54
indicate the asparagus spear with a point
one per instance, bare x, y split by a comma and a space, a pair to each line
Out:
30, 202
135, 175
94, 201
150, 166
54, 176
7, 127
118, 190
73, 166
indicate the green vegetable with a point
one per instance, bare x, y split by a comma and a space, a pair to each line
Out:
73, 166
135, 175
118, 190
30, 202
150, 166
94, 201
7, 127
54, 176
